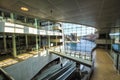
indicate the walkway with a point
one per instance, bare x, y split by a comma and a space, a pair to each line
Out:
104, 69
78, 60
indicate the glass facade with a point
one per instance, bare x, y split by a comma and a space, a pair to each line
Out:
115, 51
79, 39
81, 30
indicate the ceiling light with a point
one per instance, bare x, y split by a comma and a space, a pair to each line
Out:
24, 9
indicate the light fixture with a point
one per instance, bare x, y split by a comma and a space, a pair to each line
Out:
24, 8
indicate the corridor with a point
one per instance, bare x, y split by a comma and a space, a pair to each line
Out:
104, 69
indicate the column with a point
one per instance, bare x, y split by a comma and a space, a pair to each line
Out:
12, 16
39, 41
13, 37
56, 40
111, 47
4, 41
63, 46
26, 40
14, 45
106, 47
36, 34
36, 43
55, 48
2, 15
48, 41
48, 35
25, 19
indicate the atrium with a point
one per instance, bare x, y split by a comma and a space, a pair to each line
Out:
59, 40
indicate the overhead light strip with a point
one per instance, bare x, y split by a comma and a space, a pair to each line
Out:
24, 8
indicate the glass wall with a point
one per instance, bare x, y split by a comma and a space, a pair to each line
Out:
79, 39
115, 51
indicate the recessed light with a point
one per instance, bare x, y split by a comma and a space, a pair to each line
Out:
24, 8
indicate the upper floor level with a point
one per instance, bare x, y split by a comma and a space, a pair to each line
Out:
17, 23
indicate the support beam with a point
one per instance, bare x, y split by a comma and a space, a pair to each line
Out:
56, 40
4, 41
13, 38
47, 29
36, 25
25, 19
39, 41
12, 16
36, 42
14, 45
48, 41
2, 14
26, 40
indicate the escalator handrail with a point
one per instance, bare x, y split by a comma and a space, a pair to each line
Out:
59, 72
34, 77
6, 75
67, 73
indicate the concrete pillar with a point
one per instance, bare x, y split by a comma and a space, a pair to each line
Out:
2, 14
36, 25
14, 45
106, 47
25, 19
111, 47
48, 41
39, 41
48, 36
13, 38
36, 42
26, 40
12, 16
63, 48
56, 40
4, 41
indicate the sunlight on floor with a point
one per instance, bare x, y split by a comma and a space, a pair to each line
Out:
7, 62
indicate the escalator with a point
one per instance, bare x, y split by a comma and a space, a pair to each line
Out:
55, 71
4, 75
67, 73
60, 72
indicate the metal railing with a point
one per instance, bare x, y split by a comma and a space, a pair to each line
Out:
4, 75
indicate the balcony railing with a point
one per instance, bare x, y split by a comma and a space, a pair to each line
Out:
10, 27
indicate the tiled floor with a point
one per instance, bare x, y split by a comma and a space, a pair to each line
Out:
7, 60
104, 69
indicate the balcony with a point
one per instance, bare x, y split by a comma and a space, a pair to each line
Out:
9, 27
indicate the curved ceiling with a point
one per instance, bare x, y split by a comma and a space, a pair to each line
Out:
101, 14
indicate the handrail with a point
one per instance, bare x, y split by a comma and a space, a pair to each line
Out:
78, 60
46, 66
55, 75
66, 74
5, 75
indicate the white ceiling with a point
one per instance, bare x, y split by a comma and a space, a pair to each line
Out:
101, 14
